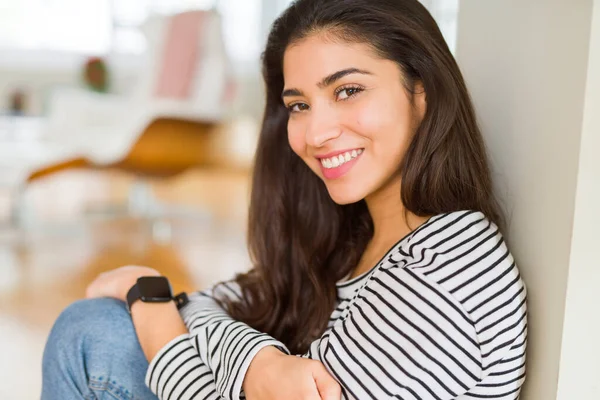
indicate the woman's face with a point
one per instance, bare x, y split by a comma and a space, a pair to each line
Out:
351, 119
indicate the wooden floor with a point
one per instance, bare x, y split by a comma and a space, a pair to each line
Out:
66, 244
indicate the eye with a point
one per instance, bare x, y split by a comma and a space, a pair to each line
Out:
346, 92
297, 107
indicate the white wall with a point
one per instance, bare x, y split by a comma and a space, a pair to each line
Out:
579, 376
39, 80
525, 62
39, 73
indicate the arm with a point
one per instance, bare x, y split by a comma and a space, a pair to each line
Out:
177, 369
407, 334
403, 336
223, 346
434, 326
161, 330
156, 324
163, 337
302, 379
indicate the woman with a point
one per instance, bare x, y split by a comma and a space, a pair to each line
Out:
375, 238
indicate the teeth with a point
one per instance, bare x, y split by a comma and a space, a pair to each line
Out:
336, 161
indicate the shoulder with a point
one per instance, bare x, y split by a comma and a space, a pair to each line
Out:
464, 256
443, 262
461, 251
443, 232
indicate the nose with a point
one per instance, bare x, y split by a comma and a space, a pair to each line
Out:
323, 126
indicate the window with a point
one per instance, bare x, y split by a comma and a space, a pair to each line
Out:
113, 26
63, 25
241, 23
445, 13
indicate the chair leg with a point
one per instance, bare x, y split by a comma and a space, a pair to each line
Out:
141, 201
20, 214
157, 216
143, 204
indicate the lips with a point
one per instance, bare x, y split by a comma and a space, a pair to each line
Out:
337, 164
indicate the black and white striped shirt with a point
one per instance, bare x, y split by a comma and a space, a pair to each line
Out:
441, 316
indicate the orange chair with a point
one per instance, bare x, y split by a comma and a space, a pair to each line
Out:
166, 148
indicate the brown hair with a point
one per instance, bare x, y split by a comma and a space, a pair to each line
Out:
301, 242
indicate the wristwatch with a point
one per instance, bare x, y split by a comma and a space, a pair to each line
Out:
154, 289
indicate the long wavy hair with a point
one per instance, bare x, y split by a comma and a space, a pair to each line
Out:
301, 242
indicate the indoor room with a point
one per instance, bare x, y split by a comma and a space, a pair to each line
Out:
139, 137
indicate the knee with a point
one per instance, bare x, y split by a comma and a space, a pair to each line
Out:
91, 341
89, 322
92, 317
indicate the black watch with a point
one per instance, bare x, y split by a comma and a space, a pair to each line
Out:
150, 289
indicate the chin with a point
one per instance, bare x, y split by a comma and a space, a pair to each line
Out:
343, 197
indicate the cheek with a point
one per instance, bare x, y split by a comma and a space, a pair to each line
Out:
372, 116
296, 138
385, 123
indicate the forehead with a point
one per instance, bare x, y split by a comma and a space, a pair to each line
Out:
318, 55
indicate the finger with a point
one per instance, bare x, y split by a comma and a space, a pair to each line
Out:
329, 388
312, 397
100, 287
312, 394
90, 291
330, 392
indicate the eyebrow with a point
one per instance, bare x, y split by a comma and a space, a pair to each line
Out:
328, 80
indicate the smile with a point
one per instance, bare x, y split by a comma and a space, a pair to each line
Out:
340, 159
336, 165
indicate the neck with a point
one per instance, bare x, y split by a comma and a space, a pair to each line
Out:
388, 214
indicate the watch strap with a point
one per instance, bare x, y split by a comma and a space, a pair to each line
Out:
132, 296
181, 300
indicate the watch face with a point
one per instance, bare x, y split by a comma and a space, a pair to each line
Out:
154, 289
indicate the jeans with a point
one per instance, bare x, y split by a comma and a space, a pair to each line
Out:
93, 353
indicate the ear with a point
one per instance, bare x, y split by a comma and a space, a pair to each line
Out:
420, 99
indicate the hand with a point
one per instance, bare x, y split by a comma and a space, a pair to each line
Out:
116, 283
274, 375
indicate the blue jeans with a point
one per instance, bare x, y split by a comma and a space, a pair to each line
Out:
93, 353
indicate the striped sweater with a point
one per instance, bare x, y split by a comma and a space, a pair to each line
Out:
441, 316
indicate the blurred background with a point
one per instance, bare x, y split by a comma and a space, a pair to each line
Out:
128, 128
127, 132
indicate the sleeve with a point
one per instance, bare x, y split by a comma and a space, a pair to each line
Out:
403, 337
217, 348
177, 372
